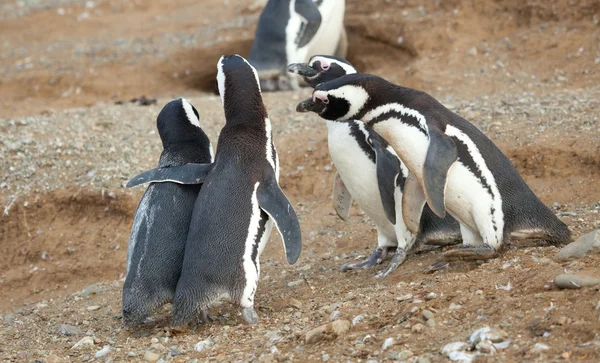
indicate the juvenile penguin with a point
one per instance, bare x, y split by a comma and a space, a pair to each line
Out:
236, 208
289, 31
454, 166
369, 171
162, 219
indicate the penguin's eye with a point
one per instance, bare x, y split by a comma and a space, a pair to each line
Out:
325, 66
325, 100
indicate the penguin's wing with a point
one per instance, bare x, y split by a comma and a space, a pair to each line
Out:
388, 170
273, 201
413, 201
182, 174
342, 200
441, 155
308, 10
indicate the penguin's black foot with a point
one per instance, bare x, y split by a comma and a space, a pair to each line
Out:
375, 259
439, 265
249, 315
470, 253
205, 318
425, 248
397, 260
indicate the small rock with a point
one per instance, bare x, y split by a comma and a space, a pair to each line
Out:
296, 304
487, 333
54, 359
203, 345
295, 283
93, 308
404, 297
431, 296
428, 315
325, 357
387, 343
68, 330
423, 359
454, 306
315, 335
405, 354
175, 352
154, 340
485, 347
457, 351
357, 319
85, 342
151, 356
334, 315
472, 52
337, 328
417, 328
573, 281
430, 323
539, 348
583, 246
102, 352
340, 327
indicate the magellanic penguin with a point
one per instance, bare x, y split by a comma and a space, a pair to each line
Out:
290, 31
162, 219
367, 168
236, 208
454, 166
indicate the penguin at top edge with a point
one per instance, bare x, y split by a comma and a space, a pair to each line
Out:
162, 219
455, 168
289, 31
370, 172
239, 203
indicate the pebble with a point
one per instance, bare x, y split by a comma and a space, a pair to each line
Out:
357, 319
539, 348
203, 345
485, 347
457, 352
151, 356
93, 308
487, 333
404, 297
85, 342
430, 323
334, 315
417, 328
583, 246
325, 357
428, 315
102, 352
54, 359
68, 330
295, 283
387, 343
338, 328
573, 281
431, 296
175, 352
154, 340
454, 306
296, 304
405, 354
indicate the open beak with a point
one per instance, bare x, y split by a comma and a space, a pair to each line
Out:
302, 69
311, 106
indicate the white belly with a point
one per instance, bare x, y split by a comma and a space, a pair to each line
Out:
358, 173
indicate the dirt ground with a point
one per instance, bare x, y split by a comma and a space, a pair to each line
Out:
526, 72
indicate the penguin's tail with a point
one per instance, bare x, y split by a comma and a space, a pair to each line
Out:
542, 224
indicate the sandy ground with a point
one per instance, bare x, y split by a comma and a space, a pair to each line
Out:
525, 72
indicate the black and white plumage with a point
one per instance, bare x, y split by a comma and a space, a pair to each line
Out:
236, 208
162, 219
370, 172
456, 168
289, 31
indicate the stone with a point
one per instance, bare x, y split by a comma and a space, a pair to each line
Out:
417, 328
539, 348
325, 357
430, 296
295, 283
335, 329
454, 306
573, 281
93, 308
175, 352
583, 246
340, 327
404, 297
151, 356
487, 333
69, 330
427, 315
357, 319
387, 343
294, 303
405, 354
85, 342
335, 315
203, 345
430, 323
154, 340
102, 352
315, 335
54, 359
485, 347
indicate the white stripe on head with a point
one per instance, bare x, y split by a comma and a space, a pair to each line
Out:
250, 268
254, 71
189, 112
356, 96
221, 79
329, 61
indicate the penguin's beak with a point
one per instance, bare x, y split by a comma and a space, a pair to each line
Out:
311, 106
302, 69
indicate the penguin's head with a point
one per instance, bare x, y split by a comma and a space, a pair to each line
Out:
322, 68
341, 99
178, 123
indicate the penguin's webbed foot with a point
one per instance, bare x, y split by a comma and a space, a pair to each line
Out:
249, 315
375, 259
439, 265
397, 260
205, 318
470, 253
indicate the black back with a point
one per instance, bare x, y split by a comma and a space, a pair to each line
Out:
268, 48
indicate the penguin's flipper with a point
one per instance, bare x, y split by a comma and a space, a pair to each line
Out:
413, 201
182, 174
342, 200
308, 10
273, 201
441, 155
388, 170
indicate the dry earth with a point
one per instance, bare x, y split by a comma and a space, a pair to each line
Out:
526, 72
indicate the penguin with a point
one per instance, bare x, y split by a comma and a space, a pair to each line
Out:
238, 205
289, 31
454, 168
365, 164
161, 221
